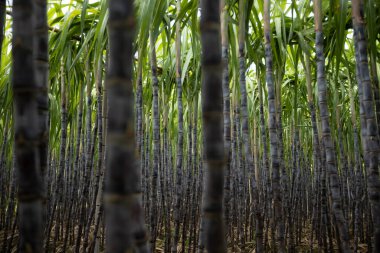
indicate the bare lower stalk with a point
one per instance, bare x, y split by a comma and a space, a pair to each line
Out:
123, 209
27, 134
370, 136
179, 161
327, 141
41, 59
273, 136
156, 145
212, 114
226, 113
244, 119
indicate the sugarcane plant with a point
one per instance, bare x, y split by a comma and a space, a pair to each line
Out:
189, 126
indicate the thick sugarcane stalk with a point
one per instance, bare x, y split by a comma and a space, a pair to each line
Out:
370, 138
27, 134
327, 142
156, 144
212, 114
244, 120
273, 135
123, 209
41, 58
179, 157
226, 111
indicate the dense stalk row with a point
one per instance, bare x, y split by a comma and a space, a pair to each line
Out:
242, 136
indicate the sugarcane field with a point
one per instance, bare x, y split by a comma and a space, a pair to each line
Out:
189, 126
